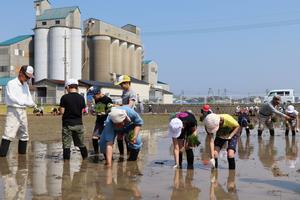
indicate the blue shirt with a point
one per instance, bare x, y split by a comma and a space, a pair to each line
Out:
109, 132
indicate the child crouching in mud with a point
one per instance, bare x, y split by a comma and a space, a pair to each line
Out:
183, 132
226, 129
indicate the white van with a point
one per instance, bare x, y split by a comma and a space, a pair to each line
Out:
287, 95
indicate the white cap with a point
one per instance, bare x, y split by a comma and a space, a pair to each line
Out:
175, 127
117, 115
212, 123
28, 70
290, 109
71, 82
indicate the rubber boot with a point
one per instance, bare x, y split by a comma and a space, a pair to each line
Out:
259, 133
190, 158
180, 160
95, 145
83, 152
247, 132
272, 132
133, 154
4, 147
121, 147
231, 163
216, 162
66, 154
22, 147
293, 133
286, 132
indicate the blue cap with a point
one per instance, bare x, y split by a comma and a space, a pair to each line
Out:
96, 90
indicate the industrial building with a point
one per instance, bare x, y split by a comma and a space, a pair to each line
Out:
57, 42
14, 53
58, 51
110, 50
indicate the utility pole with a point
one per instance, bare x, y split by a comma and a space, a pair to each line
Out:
65, 58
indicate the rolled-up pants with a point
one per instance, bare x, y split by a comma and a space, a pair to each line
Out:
264, 121
16, 124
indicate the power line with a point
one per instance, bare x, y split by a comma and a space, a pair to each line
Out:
225, 28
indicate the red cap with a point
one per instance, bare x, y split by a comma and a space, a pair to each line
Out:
206, 108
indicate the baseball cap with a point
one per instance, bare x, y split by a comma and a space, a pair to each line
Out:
205, 107
71, 82
96, 90
28, 70
290, 109
175, 127
122, 79
212, 123
117, 115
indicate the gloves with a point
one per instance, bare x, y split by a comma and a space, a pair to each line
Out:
213, 163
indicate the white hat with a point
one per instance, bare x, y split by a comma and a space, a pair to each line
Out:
117, 115
212, 123
290, 109
175, 127
71, 82
28, 70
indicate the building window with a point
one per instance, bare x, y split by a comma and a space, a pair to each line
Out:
57, 22
4, 68
44, 23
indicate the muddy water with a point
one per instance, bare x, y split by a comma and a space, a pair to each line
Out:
267, 168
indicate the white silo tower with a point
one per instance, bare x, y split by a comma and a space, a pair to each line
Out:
76, 51
101, 58
131, 61
138, 63
115, 56
41, 53
59, 52
124, 57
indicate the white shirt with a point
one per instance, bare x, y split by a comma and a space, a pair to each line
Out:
18, 94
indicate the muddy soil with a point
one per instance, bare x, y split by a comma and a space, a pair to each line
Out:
267, 168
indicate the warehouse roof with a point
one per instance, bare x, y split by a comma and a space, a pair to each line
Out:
99, 84
4, 80
15, 40
56, 13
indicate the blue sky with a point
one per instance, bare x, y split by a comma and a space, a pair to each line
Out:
244, 47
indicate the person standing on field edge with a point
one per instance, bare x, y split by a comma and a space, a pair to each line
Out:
71, 106
129, 98
17, 98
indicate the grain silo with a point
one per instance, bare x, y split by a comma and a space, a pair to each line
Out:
57, 42
120, 57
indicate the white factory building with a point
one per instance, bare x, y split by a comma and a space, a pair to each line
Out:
57, 42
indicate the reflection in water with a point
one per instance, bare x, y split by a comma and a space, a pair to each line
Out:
184, 188
266, 152
291, 151
244, 150
122, 182
14, 174
216, 189
205, 151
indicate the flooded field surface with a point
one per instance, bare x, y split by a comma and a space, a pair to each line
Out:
267, 168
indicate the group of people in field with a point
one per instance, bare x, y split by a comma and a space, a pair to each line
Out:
225, 130
122, 123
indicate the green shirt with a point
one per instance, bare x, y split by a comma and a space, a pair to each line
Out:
228, 126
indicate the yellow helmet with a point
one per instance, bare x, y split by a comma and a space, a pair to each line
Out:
122, 79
